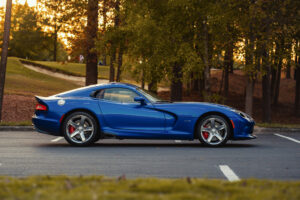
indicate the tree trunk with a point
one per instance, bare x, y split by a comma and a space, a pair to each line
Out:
206, 59
229, 62
266, 104
297, 90
189, 83
274, 70
296, 59
104, 10
120, 62
143, 79
201, 84
221, 82
249, 62
113, 46
176, 84
4, 52
231, 68
117, 14
195, 82
273, 80
295, 71
226, 71
91, 36
152, 86
55, 45
111, 65
249, 95
278, 75
277, 84
288, 65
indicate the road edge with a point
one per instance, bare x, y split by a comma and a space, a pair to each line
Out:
258, 130
17, 128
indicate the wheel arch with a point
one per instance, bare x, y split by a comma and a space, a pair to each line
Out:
213, 113
78, 110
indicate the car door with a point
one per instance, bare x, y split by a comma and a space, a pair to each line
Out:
120, 111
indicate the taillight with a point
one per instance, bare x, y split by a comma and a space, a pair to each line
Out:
40, 107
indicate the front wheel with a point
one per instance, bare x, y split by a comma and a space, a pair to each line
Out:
80, 129
213, 130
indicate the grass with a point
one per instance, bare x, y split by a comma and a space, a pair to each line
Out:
98, 187
277, 125
76, 68
23, 123
20, 80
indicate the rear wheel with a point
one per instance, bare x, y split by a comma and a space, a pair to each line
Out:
80, 129
213, 130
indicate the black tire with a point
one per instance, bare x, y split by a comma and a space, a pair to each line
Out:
80, 129
213, 133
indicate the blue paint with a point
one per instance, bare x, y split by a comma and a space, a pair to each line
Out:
143, 118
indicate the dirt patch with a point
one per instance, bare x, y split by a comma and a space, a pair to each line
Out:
18, 108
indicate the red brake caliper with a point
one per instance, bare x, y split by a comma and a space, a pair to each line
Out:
71, 129
204, 133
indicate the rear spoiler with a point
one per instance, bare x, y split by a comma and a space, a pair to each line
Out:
40, 99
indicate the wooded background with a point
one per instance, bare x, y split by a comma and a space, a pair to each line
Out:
174, 41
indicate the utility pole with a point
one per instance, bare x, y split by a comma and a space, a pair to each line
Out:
4, 51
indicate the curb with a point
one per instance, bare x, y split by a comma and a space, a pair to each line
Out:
17, 128
257, 129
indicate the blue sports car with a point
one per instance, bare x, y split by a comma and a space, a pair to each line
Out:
126, 111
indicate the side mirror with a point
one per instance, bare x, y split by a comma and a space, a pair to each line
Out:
93, 94
140, 99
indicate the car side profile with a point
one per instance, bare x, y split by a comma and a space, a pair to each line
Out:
125, 111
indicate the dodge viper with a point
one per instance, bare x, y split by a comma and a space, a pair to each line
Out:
125, 111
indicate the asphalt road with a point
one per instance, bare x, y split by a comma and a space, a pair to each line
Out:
269, 156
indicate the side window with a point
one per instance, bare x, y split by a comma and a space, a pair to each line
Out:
121, 95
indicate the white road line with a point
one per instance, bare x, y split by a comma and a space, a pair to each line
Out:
57, 139
230, 175
288, 138
178, 141
0, 164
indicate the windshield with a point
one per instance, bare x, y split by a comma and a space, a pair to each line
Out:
153, 98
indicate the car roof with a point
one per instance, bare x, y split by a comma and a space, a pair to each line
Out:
86, 91
119, 84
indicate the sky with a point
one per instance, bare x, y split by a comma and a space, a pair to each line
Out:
30, 2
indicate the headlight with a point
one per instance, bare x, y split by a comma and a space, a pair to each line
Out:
243, 115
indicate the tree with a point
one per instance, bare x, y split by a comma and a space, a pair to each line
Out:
27, 38
297, 78
2, 18
248, 29
57, 17
4, 51
105, 9
91, 36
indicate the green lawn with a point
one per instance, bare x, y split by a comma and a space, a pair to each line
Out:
76, 68
20, 80
97, 187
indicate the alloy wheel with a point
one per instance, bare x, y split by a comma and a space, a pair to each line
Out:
214, 130
79, 129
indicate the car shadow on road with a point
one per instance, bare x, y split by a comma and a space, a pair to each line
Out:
145, 145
